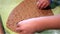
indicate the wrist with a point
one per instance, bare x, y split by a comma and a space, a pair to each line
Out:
41, 24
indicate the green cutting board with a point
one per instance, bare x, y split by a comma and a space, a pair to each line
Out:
6, 7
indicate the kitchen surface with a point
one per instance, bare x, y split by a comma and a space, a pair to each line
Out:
6, 7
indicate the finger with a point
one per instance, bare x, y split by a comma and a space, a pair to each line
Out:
18, 24
18, 30
46, 5
43, 5
39, 3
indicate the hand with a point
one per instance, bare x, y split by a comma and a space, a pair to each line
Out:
43, 3
26, 26
30, 26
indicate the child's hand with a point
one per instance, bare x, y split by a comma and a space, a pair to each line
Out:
27, 26
43, 3
30, 26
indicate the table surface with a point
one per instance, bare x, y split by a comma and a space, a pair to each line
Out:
6, 7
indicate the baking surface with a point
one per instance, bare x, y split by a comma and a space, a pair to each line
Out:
1, 28
25, 10
7, 5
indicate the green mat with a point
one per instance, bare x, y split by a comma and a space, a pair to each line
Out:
6, 7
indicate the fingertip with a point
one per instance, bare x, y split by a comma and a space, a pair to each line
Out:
38, 5
18, 25
41, 5
18, 30
46, 6
37, 2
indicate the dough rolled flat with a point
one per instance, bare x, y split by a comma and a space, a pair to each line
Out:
25, 10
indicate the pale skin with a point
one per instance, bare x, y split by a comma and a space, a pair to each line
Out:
32, 25
43, 3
